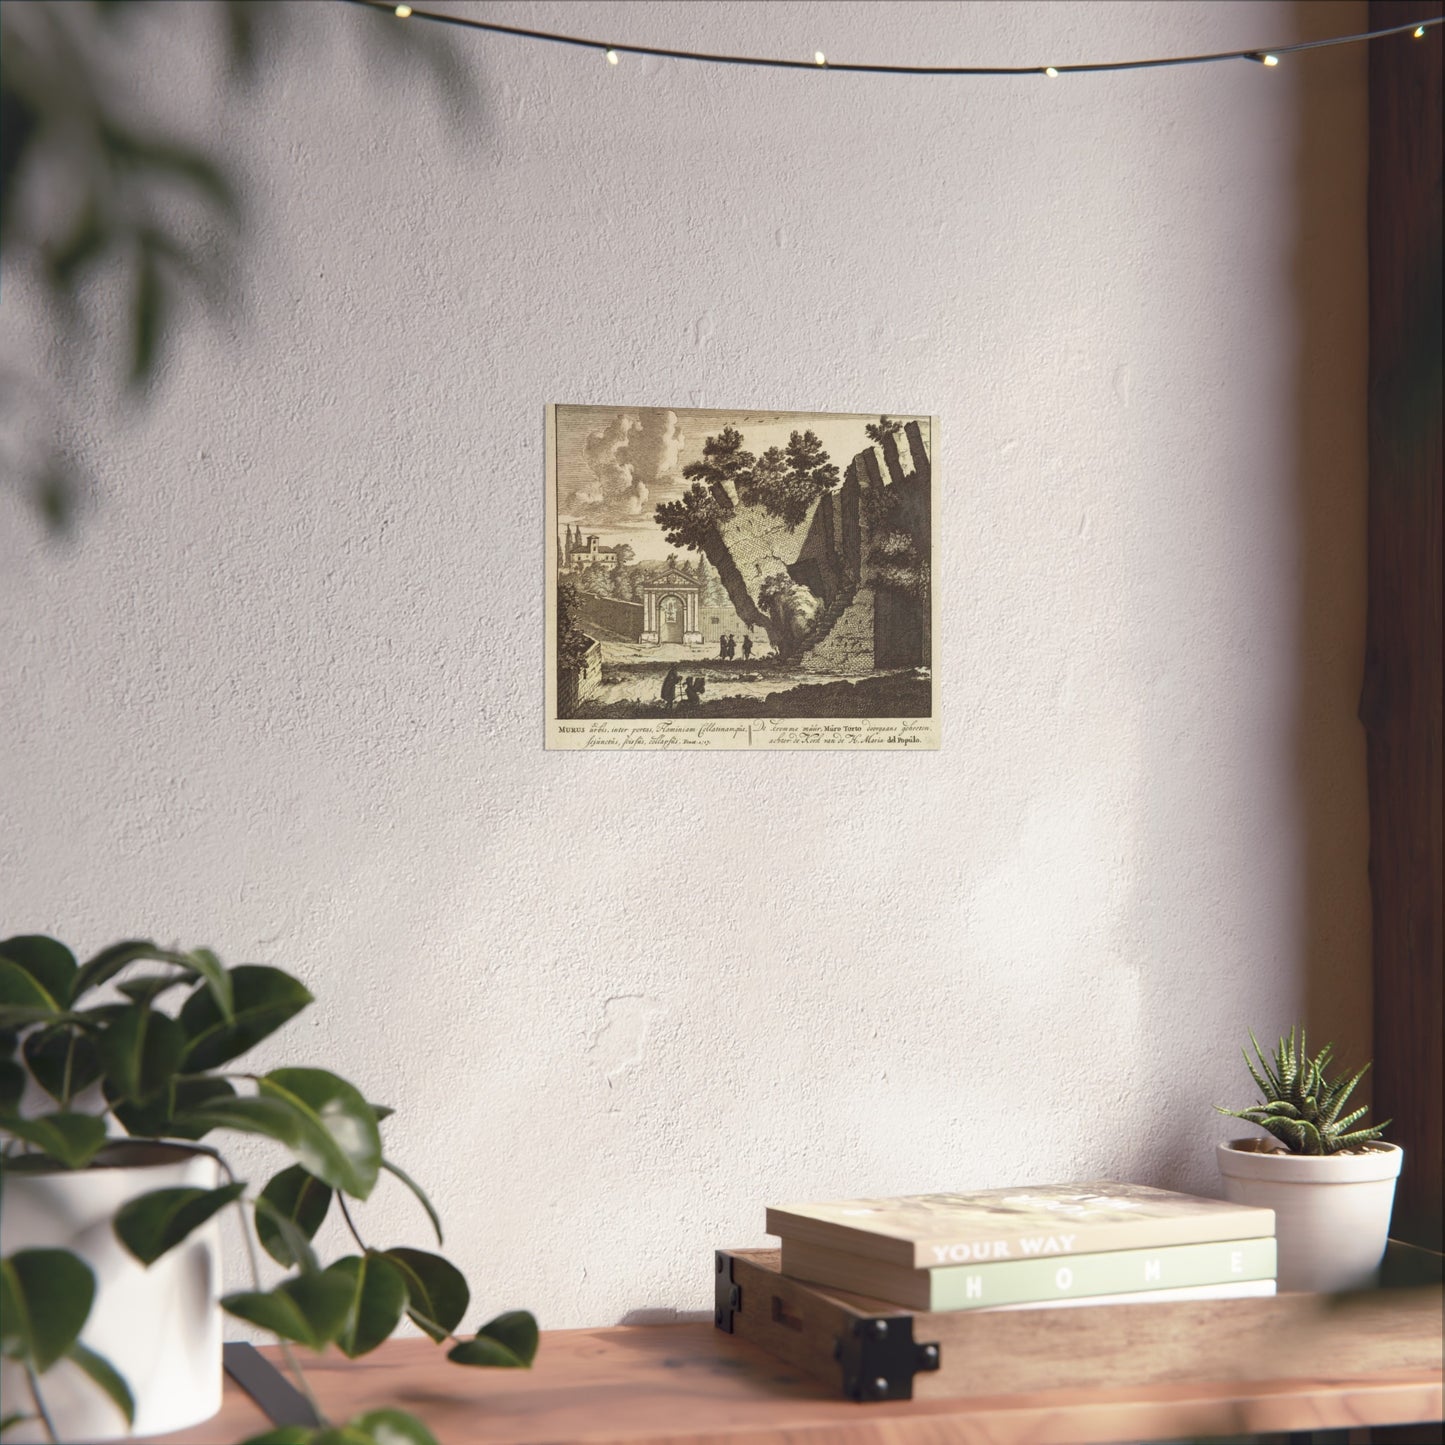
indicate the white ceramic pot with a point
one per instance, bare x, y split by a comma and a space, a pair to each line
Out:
1331, 1211
160, 1327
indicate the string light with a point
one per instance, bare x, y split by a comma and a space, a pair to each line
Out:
1259, 55
612, 57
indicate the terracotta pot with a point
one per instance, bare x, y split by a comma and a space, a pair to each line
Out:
160, 1327
1331, 1211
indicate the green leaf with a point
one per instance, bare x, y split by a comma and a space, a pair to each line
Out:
148, 989
507, 1342
1346, 1088
210, 968
151, 1224
12, 1086
182, 1096
416, 1189
109, 962
64, 1061
45, 1299
382, 1111
331, 1134
298, 1197
269, 1117
87, 238
263, 999
164, 1116
241, 28
142, 1121
284, 1435
378, 1296
340, 1143
1361, 1136
73, 1139
310, 1310
295, 1243
141, 1051
517, 1330
96, 1019
50, 964
14, 1323
19, 1016
104, 1374
341, 1435
179, 161
392, 1427
199, 963
1338, 1126
437, 1293
11, 1421
23, 999
148, 315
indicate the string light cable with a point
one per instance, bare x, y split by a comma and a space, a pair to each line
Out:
612, 50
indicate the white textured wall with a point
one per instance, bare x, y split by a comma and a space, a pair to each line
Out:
283, 692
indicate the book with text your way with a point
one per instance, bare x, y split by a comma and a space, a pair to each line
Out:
1032, 1222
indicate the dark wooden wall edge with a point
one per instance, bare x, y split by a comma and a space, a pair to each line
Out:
1401, 696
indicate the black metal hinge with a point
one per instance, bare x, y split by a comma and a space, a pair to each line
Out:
727, 1296
880, 1358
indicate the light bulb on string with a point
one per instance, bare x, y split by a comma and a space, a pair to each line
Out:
1260, 57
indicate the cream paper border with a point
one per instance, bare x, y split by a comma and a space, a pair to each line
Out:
682, 734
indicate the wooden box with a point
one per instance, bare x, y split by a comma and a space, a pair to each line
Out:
871, 1350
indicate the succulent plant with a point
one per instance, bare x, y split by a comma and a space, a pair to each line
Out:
1301, 1108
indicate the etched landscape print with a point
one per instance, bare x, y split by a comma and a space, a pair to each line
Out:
741, 564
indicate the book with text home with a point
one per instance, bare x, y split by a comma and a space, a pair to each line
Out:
1032, 1281
924, 1231
1245, 1289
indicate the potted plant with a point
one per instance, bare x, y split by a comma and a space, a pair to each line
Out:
110, 1191
1331, 1186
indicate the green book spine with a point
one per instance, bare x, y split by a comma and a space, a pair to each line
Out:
1027, 1281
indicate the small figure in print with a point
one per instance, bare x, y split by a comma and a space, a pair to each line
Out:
722, 648
669, 687
696, 686
747, 646
732, 646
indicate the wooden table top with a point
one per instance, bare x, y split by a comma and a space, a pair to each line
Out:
694, 1385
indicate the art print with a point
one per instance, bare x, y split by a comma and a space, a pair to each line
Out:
739, 579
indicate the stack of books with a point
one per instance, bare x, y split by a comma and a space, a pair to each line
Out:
1031, 1247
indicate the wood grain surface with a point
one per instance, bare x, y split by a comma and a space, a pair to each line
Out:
670, 1384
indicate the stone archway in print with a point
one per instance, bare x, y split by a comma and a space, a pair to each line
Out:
671, 618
